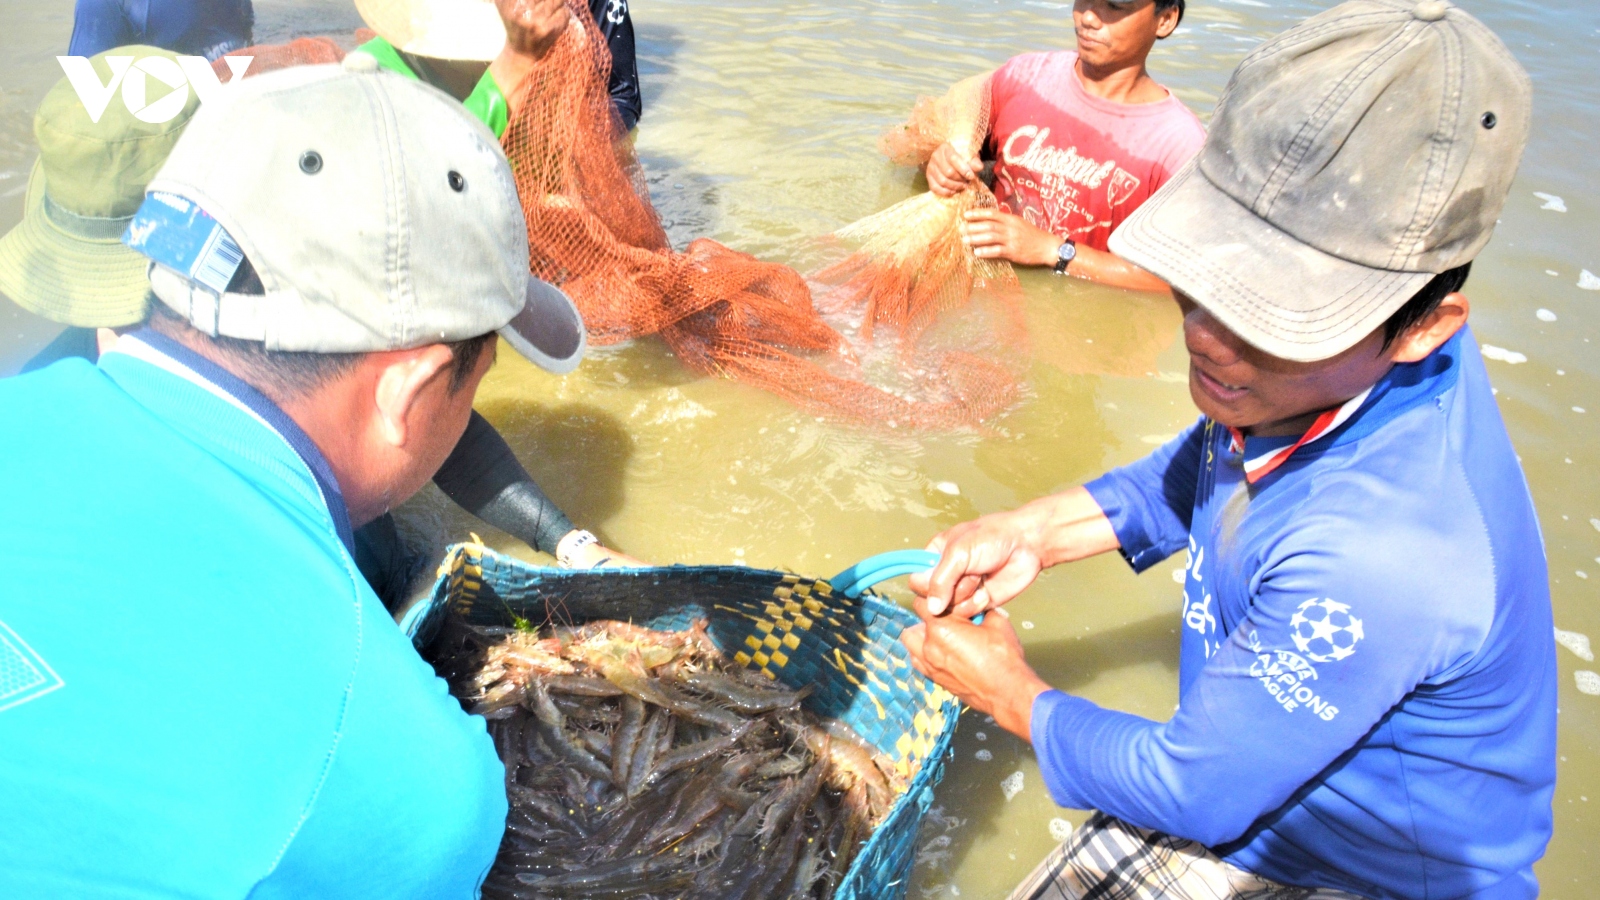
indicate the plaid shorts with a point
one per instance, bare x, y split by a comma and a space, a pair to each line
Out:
1108, 859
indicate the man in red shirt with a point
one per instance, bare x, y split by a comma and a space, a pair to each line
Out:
1079, 141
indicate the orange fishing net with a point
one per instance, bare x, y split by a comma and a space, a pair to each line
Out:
593, 231
912, 264
303, 51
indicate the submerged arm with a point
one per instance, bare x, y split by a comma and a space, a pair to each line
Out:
484, 478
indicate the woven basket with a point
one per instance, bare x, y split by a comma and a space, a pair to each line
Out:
795, 629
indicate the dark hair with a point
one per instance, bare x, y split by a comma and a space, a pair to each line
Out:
1424, 302
285, 374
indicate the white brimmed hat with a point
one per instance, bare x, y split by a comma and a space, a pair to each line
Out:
442, 29
1350, 160
377, 213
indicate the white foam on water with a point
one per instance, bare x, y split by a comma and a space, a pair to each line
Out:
1581, 574
1060, 829
1011, 785
1588, 280
1501, 354
1027, 625
1578, 409
1588, 683
948, 487
1551, 202
984, 756
1551, 272
1577, 642
1544, 315
1595, 523
1179, 575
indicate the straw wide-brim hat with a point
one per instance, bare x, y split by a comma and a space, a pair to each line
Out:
441, 29
72, 269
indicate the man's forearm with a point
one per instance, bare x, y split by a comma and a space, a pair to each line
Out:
1068, 526
483, 477
1104, 267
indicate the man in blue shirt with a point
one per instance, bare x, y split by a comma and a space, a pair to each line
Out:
1366, 681
201, 696
206, 28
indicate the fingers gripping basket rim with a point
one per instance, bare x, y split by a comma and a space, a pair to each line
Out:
796, 630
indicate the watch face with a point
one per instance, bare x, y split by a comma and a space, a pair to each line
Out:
1067, 252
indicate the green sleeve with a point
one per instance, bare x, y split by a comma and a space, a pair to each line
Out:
488, 105
486, 102
387, 57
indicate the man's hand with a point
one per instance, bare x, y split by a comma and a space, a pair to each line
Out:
982, 564
950, 171
598, 556
996, 234
616, 560
532, 26
986, 562
983, 665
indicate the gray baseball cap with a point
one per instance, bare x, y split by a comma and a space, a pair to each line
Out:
378, 214
1350, 160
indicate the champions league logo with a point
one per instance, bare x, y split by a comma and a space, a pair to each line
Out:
1324, 630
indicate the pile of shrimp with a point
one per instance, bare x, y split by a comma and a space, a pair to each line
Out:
646, 764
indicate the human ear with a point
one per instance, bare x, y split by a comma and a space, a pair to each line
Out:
1435, 328
406, 379
1167, 22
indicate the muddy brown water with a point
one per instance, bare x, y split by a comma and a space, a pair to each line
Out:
759, 130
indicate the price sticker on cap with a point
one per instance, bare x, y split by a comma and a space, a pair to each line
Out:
175, 232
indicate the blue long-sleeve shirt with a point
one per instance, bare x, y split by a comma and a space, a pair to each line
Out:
206, 28
1367, 684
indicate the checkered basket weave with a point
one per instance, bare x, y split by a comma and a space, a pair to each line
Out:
795, 629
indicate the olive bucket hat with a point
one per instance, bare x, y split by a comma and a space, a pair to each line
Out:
66, 260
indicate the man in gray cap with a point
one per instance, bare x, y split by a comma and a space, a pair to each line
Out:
1367, 685
201, 696
66, 261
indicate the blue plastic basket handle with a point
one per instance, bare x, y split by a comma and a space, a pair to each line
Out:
852, 581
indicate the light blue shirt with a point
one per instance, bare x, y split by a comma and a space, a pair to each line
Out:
1367, 681
200, 697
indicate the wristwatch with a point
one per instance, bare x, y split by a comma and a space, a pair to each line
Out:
1065, 255
567, 550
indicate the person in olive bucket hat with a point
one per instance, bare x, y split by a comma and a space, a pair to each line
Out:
1367, 687
66, 261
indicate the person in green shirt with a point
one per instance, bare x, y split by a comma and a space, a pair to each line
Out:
476, 51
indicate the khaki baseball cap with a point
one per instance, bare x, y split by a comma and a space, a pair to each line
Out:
442, 29
1350, 160
377, 213
66, 261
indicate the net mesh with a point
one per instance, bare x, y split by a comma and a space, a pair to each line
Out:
302, 51
862, 338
